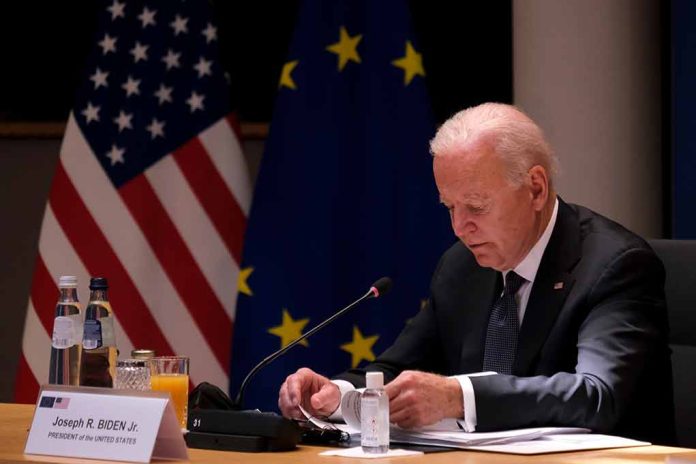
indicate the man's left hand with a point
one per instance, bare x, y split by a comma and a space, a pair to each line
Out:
417, 399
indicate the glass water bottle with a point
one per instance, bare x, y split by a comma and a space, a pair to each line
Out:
99, 353
66, 342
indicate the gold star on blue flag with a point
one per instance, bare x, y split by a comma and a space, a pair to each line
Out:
346, 48
360, 348
289, 329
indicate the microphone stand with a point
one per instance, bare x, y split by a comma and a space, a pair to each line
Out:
273, 356
236, 430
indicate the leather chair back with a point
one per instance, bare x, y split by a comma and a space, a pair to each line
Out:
679, 258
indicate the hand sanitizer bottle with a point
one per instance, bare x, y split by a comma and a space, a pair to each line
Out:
374, 415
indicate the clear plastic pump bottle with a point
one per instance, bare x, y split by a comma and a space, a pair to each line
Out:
374, 415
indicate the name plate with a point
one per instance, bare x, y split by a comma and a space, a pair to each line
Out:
103, 423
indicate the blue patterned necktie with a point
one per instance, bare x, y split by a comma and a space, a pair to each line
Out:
503, 329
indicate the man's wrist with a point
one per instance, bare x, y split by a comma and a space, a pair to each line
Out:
469, 399
343, 388
455, 399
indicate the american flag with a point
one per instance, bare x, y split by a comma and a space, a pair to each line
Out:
61, 403
151, 191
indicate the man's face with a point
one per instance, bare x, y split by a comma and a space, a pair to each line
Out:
495, 220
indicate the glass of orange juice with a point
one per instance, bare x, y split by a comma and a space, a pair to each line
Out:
171, 374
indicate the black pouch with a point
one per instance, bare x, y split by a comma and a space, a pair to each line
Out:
208, 396
215, 423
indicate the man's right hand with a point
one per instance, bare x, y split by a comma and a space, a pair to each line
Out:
314, 392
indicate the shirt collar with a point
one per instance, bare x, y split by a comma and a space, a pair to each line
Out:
529, 266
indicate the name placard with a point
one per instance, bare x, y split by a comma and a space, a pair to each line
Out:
103, 423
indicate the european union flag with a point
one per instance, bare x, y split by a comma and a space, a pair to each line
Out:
345, 195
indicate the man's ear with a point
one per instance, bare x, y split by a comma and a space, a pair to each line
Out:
538, 186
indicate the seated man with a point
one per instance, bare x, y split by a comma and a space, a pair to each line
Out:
564, 306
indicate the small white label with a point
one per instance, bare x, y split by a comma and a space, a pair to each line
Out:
63, 332
369, 412
102, 423
67, 331
374, 419
107, 328
92, 334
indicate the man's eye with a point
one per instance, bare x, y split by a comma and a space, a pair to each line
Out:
476, 209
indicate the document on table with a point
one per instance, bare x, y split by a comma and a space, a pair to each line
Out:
444, 433
449, 433
562, 443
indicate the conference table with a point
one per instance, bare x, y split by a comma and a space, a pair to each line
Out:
15, 420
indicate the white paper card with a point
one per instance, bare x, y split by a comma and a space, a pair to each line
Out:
562, 443
357, 452
103, 423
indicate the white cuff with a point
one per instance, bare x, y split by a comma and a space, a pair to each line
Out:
470, 421
345, 387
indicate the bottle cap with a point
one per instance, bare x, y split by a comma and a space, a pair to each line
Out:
131, 363
98, 283
142, 354
67, 282
374, 380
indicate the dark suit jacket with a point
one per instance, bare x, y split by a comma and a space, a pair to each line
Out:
593, 353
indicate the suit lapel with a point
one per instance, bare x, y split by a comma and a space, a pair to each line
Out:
551, 287
482, 289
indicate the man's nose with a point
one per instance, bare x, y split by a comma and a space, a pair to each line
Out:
462, 224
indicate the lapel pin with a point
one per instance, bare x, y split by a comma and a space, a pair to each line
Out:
558, 286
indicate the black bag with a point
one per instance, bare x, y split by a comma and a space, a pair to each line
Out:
208, 396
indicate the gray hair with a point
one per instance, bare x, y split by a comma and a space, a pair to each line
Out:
512, 135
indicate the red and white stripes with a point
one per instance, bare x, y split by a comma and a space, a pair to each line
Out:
169, 241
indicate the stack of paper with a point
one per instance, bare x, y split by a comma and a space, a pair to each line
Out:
449, 433
562, 443
462, 439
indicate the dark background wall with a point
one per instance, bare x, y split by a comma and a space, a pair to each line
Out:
466, 46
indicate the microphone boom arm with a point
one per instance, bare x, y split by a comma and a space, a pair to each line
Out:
372, 293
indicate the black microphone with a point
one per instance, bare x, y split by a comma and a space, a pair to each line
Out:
379, 288
235, 430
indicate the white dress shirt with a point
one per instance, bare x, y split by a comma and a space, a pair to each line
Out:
527, 268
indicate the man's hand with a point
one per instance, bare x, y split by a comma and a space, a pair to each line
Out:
418, 398
314, 392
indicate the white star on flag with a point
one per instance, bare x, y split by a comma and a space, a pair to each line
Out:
203, 67
116, 155
164, 94
117, 10
91, 113
172, 59
124, 121
156, 128
210, 33
195, 101
139, 52
179, 25
147, 17
108, 44
131, 86
99, 79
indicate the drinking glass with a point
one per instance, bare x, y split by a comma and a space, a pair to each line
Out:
171, 374
132, 374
